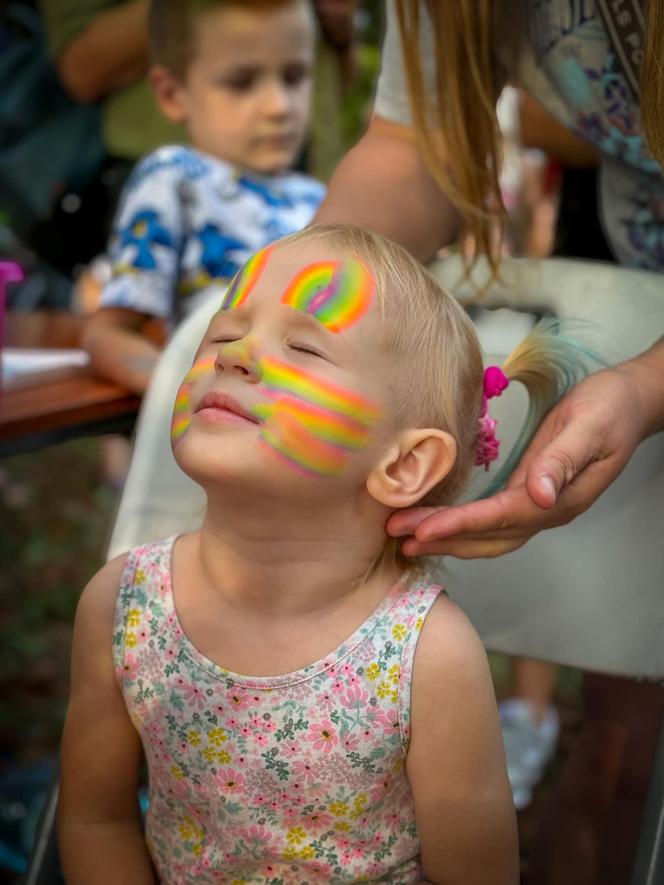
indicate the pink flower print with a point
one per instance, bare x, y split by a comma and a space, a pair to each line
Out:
322, 869
350, 743
232, 722
322, 735
256, 721
256, 833
338, 685
230, 781
346, 858
304, 771
319, 820
239, 700
348, 670
389, 720
353, 681
260, 739
194, 695
129, 666
355, 697
142, 635
292, 749
170, 655
380, 790
325, 701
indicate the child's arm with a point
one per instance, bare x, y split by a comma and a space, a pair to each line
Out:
456, 763
118, 349
99, 825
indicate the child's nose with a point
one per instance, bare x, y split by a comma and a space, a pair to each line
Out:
276, 98
237, 358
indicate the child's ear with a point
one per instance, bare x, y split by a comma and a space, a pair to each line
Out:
169, 93
416, 462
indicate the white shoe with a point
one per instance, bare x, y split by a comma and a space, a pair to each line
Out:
529, 745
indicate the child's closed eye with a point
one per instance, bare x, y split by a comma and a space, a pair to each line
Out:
307, 349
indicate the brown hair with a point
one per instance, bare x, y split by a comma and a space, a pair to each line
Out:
171, 27
458, 130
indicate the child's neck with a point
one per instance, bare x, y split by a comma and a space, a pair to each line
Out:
290, 561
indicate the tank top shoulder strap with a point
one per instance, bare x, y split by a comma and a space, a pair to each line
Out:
144, 582
407, 618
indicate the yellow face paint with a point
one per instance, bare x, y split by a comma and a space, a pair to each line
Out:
337, 293
245, 280
182, 408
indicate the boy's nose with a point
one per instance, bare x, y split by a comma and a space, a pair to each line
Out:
276, 99
237, 358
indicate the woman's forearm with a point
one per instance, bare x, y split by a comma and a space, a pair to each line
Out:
647, 372
104, 853
383, 184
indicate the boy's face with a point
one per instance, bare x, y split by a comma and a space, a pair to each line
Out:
245, 97
292, 377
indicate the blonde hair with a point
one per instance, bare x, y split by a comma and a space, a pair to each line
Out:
439, 372
457, 129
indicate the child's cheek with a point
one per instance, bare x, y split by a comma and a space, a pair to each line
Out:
182, 408
312, 425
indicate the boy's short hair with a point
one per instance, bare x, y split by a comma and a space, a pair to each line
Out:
171, 28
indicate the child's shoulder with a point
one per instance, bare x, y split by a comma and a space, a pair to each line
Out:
176, 161
95, 612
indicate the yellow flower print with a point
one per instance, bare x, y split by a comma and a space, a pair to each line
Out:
373, 671
130, 640
308, 852
289, 853
338, 809
360, 801
223, 756
187, 832
382, 689
394, 673
418, 624
394, 696
399, 632
342, 825
139, 576
209, 754
296, 835
134, 618
217, 736
194, 738
197, 849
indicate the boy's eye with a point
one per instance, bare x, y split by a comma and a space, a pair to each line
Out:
240, 83
294, 74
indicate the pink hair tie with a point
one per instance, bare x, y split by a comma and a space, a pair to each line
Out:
487, 445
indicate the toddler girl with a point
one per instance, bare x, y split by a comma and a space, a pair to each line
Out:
311, 707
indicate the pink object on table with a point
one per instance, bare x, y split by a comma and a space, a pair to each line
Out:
10, 272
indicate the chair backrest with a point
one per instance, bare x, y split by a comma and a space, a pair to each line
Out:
588, 594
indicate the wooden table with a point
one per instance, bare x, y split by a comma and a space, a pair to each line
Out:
68, 405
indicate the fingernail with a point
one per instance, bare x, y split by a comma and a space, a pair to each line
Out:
549, 487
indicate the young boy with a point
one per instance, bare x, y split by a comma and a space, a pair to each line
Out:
238, 75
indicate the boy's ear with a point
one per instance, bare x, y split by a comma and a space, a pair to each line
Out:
169, 93
412, 466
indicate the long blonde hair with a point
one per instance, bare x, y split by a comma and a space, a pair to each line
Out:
457, 131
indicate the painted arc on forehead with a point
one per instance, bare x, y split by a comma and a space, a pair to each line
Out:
245, 280
312, 424
182, 408
337, 293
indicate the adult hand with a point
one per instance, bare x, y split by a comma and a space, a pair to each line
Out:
579, 449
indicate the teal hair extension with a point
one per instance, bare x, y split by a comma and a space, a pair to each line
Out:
548, 362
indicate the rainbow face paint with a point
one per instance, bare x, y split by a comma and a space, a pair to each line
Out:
312, 424
182, 408
337, 293
245, 280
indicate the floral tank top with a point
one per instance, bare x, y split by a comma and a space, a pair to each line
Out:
286, 779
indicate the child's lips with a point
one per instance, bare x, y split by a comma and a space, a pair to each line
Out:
217, 406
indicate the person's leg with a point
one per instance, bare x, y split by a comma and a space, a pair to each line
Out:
530, 725
590, 827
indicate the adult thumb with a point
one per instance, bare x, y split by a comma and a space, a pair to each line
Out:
558, 464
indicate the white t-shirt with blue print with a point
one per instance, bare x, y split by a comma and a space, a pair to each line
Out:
566, 63
187, 222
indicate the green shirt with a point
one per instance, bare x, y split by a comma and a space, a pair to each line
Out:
132, 123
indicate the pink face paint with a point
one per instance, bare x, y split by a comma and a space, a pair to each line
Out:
337, 293
182, 408
311, 423
245, 280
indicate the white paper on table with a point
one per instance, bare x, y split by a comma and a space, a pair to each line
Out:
19, 364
